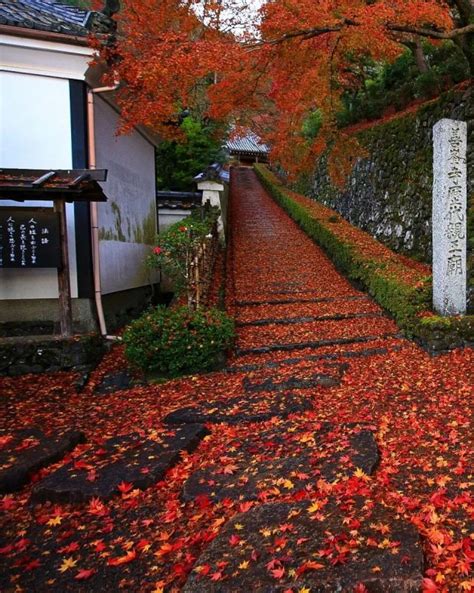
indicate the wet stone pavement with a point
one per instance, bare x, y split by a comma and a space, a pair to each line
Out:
331, 454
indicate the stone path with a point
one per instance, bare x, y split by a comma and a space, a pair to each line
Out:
286, 544
294, 454
126, 462
291, 320
25, 451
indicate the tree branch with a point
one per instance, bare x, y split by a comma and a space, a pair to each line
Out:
301, 34
306, 34
432, 33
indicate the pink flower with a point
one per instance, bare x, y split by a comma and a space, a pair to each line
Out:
157, 250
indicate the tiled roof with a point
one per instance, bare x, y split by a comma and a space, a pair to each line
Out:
249, 144
49, 15
176, 200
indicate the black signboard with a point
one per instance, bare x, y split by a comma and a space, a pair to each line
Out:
29, 238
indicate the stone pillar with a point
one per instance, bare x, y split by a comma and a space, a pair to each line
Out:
211, 192
449, 217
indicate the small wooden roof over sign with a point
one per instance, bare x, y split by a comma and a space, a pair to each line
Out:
73, 185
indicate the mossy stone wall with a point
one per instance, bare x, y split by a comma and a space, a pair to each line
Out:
389, 193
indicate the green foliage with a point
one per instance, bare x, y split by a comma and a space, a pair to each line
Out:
175, 248
175, 341
312, 124
177, 163
395, 86
404, 302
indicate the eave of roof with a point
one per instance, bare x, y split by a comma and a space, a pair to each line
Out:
43, 35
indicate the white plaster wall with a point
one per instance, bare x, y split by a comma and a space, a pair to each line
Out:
168, 216
35, 133
130, 188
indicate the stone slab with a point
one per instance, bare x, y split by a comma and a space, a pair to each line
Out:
113, 382
287, 546
366, 353
331, 377
241, 409
313, 344
133, 459
301, 300
24, 452
284, 460
309, 319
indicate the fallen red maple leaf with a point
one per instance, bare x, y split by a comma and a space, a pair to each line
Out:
84, 574
129, 557
125, 487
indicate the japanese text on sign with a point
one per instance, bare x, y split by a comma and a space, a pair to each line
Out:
29, 238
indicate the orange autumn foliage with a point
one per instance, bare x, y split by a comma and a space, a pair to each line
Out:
296, 56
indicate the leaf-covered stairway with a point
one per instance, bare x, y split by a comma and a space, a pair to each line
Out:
334, 454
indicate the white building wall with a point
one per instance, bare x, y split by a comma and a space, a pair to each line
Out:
127, 222
35, 133
169, 216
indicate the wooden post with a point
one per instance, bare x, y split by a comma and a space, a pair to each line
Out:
64, 285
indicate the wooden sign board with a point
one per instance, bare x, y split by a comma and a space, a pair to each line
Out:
29, 238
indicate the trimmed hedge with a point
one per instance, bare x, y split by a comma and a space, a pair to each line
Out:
402, 287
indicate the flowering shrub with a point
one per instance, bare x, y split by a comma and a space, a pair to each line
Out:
175, 341
184, 252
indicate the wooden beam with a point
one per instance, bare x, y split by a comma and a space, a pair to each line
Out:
43, 179
64, 284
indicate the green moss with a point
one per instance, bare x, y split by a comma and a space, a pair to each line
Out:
149, 229
118, 222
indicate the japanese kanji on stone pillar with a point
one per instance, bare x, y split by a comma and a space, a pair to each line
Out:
449, 217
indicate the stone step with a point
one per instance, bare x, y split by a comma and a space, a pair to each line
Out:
24, 452
314, 345
342, 354
117, 381
323, 310
246, 408
303, 376
286, 301
132, 459
285, 459
279, 547
259, 337
298, 320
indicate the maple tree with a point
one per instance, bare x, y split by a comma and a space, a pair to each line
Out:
269, 67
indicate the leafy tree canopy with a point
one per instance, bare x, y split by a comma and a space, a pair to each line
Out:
269, 68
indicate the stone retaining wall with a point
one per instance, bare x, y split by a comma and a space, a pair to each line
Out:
46, 354
389, 193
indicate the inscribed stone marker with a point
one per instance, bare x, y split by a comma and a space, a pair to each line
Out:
449, 217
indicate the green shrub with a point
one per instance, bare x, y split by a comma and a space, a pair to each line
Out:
428, 85
176, 341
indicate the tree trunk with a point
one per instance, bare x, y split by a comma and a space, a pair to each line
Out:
420, 57
464, 17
